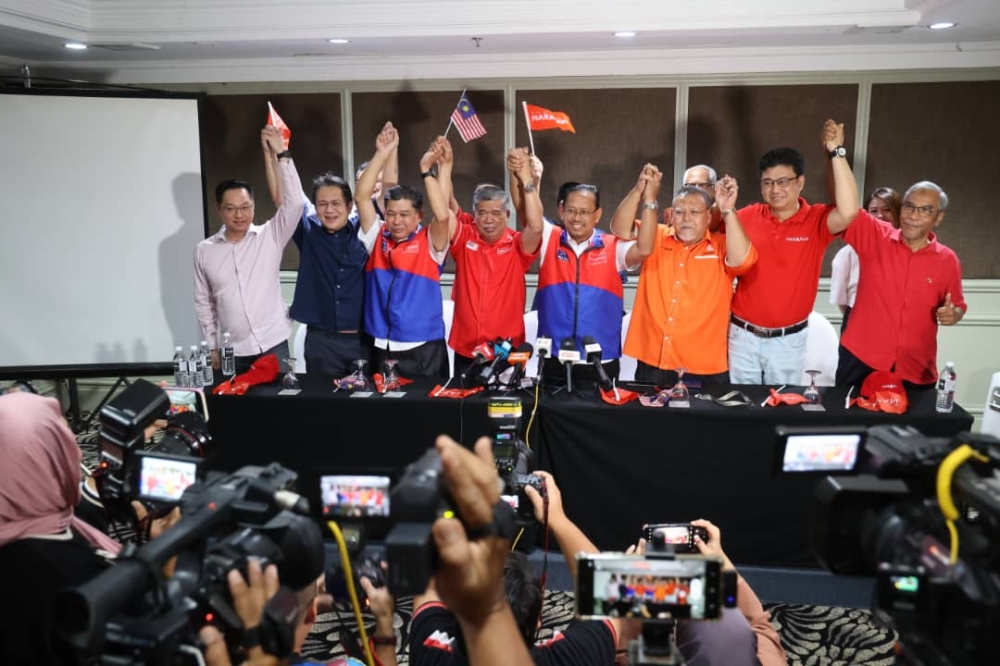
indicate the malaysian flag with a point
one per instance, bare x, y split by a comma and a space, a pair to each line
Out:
466, 121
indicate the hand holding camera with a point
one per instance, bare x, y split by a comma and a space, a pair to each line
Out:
538, 494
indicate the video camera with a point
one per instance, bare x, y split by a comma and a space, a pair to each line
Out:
659, 587
130, 614
908, 505
156, 473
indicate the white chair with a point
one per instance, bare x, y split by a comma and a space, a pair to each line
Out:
531, 335
299, 348
991, 414
448, 312
626, 364
822, 344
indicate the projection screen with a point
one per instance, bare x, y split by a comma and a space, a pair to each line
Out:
102, 204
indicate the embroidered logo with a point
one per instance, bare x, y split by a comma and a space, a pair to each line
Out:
440, 640
797, 239
502, 251
385, 246
597, 258
411, 248
471, 245
561, 255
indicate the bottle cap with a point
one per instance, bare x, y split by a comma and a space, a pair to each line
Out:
178, 348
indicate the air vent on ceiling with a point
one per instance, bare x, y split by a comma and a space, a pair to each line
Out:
135, 46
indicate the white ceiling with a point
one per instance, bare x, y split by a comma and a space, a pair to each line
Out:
147, 40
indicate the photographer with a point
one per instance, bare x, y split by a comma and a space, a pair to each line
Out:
470, 574
43, 545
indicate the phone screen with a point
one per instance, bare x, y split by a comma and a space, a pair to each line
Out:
618, 585
186, 400
359, 496
165, 478
821, 453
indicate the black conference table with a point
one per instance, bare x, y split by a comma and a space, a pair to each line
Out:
618, 466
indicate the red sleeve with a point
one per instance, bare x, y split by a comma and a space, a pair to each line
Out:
458, 241
464, 218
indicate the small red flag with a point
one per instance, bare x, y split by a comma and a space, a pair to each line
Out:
275, 120
543, 119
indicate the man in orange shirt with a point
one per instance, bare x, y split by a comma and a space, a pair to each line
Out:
681, 310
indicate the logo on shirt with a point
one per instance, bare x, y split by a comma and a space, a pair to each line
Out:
411, 248
502, 251
561, 255
471, 245
385, 246
797, 239
597, 258
440, 640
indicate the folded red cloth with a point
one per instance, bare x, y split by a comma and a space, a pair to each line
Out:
380, 382
776, 399
263, 371
618, 396
455, 392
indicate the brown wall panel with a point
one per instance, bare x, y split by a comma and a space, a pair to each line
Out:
730, 127
231, 127
946, 133
617, 132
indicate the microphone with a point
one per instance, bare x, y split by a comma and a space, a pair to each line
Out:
543, 347
593, 351
518, 359
481, 355
568, 355
501, 348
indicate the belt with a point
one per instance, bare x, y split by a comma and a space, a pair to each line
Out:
310, 327
768, 332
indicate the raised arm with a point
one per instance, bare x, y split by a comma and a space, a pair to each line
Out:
643, 246
442, 228
737, 241
623, 222
385, 144
522, 181
270, 171
516, 194
289, 212
390, 174
844, 184
446, 164
571, 539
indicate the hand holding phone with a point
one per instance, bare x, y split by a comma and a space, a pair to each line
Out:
679, 535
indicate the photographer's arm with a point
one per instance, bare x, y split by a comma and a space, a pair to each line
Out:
249, 601
571, 539
769, 650
383, 607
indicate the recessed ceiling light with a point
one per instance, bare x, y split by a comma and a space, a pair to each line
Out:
625, 33
338, 40
76, 46
943, 25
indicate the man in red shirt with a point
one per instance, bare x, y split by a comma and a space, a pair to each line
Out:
911, 284
491, 260
767, 331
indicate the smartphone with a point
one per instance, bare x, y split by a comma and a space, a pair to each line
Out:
164, 477
186, 400
355, 496
639, 586
679, 535
818, 449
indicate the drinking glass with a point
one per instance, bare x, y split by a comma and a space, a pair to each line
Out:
290, 381
812, 392
390, 380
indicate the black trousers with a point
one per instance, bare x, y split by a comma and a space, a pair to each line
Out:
584, 374
428, 360
851, 371
649, 374
332, 353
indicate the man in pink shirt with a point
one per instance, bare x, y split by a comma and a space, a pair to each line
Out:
236, 270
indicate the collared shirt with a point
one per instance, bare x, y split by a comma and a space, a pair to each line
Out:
780, 290
680, 318
237, 287
844, 275
489, 289
894, 320
330, 288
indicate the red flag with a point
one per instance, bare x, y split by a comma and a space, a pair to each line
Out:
275, 120
543, 119
466, 121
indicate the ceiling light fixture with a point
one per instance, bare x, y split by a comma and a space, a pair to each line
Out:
76, 46
625, 33
942, 25
338, 40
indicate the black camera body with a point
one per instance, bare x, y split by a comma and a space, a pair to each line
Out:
130, 614
515, 485
889, 521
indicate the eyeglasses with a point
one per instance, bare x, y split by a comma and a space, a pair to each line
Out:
577, 212
232, 210
780, 183
492, 214
701, 186
694, 212
921, 211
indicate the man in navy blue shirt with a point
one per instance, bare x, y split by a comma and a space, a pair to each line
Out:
334, 245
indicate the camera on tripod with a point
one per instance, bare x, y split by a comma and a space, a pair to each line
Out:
922, 515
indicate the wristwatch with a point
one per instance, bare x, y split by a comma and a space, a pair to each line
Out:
427, 174
651, 205
839, 151
529, 187
283, 154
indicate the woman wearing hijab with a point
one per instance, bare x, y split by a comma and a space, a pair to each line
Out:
44, 547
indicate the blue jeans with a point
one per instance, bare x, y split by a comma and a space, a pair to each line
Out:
770, 361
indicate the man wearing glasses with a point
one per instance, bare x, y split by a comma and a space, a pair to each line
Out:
236, 270
771, 306
911, 284
701, 176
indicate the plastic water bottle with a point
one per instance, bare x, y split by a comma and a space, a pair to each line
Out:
181, 377
196, 368
208, 376
228, 356
946, 388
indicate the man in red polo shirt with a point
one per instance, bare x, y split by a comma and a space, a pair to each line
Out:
911, 284
491, 260
767, 331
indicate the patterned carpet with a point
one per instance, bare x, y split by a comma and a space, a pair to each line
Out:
811, 635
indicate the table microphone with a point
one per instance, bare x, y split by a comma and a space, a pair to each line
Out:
481, 355
568, 355
593, 350
501, 348
543, 347
518, 359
